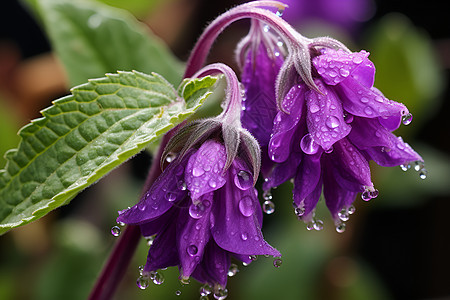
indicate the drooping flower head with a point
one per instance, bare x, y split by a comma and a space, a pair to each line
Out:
204, 209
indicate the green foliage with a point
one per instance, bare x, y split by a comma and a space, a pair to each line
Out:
85, 135
92, 39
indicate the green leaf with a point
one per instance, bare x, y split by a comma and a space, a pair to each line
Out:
92, 39
84, 136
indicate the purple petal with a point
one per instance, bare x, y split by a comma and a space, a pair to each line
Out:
284, 124
166, 190
367, 133
236, 226
336, 197
308, 205
156, 225
192, 236
204, 169
259, 108
163, 253
350, 164
306, 180
214, 266
325, 118
400, 153
362, 101
336, 66
283, 171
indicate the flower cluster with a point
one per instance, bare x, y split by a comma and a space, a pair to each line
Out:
312, 106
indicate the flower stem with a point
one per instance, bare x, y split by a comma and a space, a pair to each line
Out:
120, 257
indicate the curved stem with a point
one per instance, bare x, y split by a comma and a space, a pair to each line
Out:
249, 10
120, 257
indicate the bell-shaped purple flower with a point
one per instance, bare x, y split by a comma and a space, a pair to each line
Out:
202, 215
325, 137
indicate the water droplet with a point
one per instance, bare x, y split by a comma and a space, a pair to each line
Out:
233, 270
318, 225
185, 280
351, 209
340, 227
419, 165
407, 119
314, 108
366, 195
267, 195
344, 215
204, 298
170, 197
181, 185
308, 145
197, 211
328, 151
246, 206
205, 290
368, 111
277, 262
309, 226
405, 167
221, 294
348, 118
344, 72
192, 250
196, 171
357, 59
243, 180
332, 122
244, 236
374, 193
253, 257
158, 279
280, 12
268, 207
150, 240
423, 173
299, 211
142, 282
170, 157
115, 230
364, 100
178, 292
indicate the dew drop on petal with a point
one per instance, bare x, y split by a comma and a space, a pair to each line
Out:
344, 72
332, 122
277, 262
368, 111
170, 197
142, 282
115, 230
244, 236
268, 207
313, 108
364, 100
243, 180
150, 240
181, 185
246, 206
196, 211
192, 250
197, 171
308, 145
407, 119
233, 270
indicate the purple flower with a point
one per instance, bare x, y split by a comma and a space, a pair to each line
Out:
203, 208
325, 137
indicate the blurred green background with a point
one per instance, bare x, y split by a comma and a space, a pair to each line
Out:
395, 247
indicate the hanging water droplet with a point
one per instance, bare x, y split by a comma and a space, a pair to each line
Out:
253, 257
348, 118
233, 270
374, 193
343, 215
150, 240
192, 250
318, 225
221, 294
158, 279
141, 270
277, 262
267, 195
407, 119
142, 282
310, 226
268, 207
351, 210
243, 180
308, 145
185, 280
181, 185
423, 173
405, 167
419, 165
204, 298
205, 290
197, 211
178, 292
366, 195
170, 157
299, 211
115, 230
246, 206
340, 227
